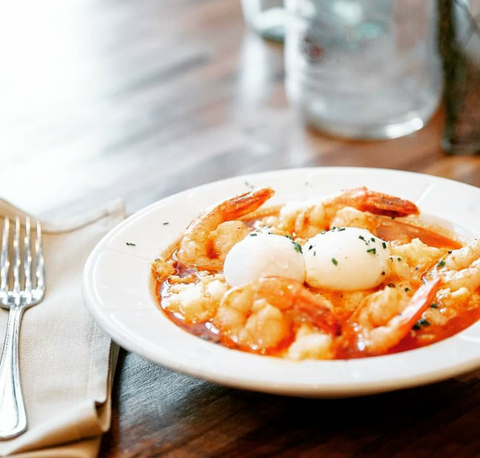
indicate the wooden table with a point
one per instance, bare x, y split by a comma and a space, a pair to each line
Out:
145, 98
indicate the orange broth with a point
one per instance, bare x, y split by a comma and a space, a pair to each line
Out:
389, 230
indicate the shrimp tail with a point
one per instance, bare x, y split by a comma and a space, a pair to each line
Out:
420, 301
322, 317
243, 204
286, 293
382, 204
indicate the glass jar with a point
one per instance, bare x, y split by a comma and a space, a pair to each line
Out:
366, 69
266, 17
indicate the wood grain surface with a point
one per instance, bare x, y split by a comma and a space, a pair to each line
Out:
145, 98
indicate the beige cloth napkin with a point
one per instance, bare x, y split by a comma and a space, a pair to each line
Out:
66, 360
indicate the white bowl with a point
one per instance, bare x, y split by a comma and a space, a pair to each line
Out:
116, 287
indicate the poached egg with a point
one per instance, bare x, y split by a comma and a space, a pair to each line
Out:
345, 259
262, 255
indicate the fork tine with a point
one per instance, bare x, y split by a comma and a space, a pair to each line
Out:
16, 257
39, 261
4, 260
27, 258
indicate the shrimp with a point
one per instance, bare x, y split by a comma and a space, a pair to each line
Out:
394, 230
460, 268
370, 201
198, 247
310, 220
253, 315
384, 318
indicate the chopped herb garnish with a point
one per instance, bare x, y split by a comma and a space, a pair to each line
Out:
130, 244
323, 232
165, 223
407, 290
441, 264
297, 247
361, 237
418, 325
314, 253
289, 237
372, 239
434, 306
372, 250
399, 259
335, 262
253, 234
337, 229
384, 245
310, 247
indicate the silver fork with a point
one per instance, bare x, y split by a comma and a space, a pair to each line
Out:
20, 288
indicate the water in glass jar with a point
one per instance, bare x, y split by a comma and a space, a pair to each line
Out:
363, 68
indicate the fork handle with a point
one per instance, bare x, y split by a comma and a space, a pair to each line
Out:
13, 418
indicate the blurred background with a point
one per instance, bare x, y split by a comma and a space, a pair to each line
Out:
144, 98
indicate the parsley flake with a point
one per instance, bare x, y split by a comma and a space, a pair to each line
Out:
335, 262
384, 245
253, 234
165, 223
418, 325
441, 264
434, 306
372, 250
130, 244
297, 247
361, 237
